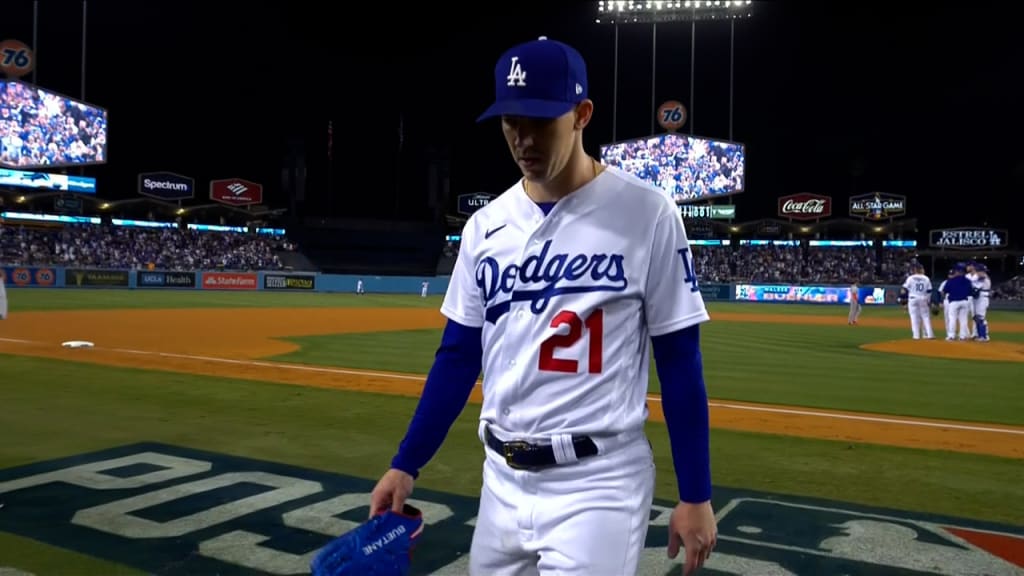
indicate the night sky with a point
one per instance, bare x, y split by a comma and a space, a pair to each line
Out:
830, 98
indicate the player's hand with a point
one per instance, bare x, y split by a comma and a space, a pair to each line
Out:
391, 491
695, 528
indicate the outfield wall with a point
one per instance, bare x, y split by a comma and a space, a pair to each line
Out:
56, 277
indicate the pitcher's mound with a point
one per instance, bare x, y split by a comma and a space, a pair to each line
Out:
940, 348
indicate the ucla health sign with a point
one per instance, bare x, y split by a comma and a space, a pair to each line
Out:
166, 186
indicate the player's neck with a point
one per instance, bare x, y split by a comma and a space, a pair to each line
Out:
579, 171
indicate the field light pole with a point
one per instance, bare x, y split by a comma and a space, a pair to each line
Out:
652, 12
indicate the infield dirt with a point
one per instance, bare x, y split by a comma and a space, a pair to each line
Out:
232, 342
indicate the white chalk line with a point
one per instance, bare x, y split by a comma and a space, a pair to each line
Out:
651, 397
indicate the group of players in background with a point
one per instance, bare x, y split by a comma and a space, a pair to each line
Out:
963, 297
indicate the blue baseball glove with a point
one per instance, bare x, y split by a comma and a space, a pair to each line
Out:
381, 546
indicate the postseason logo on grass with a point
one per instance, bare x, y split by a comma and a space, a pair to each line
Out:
175, 511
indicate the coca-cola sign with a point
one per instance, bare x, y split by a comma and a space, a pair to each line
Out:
805, 206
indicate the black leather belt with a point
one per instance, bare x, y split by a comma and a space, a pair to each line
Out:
525, 456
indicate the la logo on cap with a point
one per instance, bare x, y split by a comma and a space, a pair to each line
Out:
516, 75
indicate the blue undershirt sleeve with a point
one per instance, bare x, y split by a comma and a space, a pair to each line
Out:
684, 400
457, 366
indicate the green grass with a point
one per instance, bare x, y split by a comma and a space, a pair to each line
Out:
813, 366
60, 408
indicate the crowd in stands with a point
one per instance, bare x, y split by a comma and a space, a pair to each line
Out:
170, 249
42, 128
1012, 289
796, 264
684, 167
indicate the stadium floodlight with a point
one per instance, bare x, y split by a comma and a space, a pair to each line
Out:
652, 11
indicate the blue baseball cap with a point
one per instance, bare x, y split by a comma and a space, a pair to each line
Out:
541, 79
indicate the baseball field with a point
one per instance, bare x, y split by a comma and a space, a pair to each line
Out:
234, 433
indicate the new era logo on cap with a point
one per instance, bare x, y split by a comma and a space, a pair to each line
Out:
542, 78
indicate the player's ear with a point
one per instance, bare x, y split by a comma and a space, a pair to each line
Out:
583, 112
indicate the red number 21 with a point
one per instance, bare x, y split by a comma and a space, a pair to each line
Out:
595, 327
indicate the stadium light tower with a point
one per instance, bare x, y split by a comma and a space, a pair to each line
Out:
616, 12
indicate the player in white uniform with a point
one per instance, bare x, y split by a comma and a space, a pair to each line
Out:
919, 289
564, 285
947, 320
423, 289
982, 286
3, 297
359, 286
972, 275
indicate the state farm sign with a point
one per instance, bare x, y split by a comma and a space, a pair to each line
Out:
236, 192
805, 206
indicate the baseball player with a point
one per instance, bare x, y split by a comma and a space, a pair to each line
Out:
3, 297
854, 303
981, 290
957, 289
918, 289
943, 298
972, 275
423, 289
563, 287
359, 286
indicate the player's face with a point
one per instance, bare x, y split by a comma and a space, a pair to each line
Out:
541, 147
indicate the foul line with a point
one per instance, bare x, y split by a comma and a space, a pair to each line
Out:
879, 419
651, 397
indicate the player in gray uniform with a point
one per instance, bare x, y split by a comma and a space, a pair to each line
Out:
854, 303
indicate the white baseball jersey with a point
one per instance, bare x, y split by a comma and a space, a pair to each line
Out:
945, 297
982, 283
568, 302
918, 286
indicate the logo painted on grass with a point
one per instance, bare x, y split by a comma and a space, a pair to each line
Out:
228, 281
177, 511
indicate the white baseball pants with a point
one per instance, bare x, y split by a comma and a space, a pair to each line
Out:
587, 518
920, 320
958, 319
3, 299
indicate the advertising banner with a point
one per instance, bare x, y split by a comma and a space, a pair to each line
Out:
715, 291
289, 282
229, 281
19, 276
969, 238
805, 206
708, 211
236, 192
806, 294
96, 278
470, 203
147, 279
878, 206
166, 186
47, 181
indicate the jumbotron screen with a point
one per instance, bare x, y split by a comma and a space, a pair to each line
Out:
41, 129
687, 168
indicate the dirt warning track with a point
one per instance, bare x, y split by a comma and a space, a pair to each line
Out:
234, 342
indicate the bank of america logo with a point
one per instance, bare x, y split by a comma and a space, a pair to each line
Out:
237, 188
